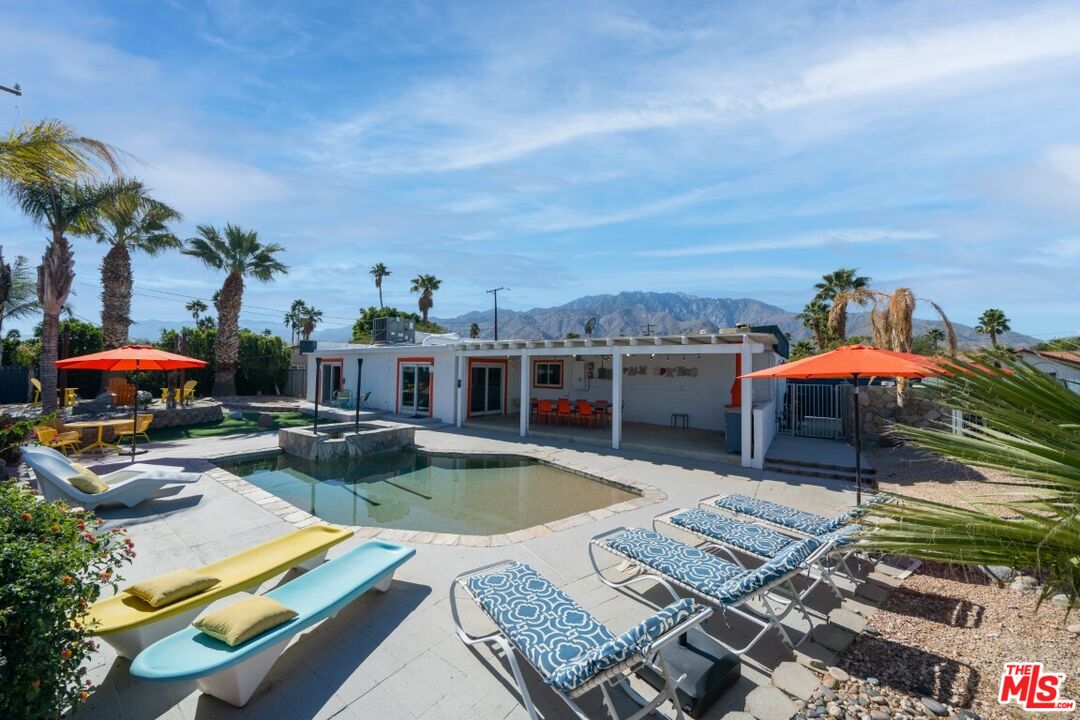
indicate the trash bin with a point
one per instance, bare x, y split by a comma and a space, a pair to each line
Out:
733, 430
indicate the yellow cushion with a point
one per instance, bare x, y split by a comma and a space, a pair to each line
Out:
172, 586
87, 480
244, 620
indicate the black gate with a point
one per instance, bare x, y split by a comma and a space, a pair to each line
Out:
14, 384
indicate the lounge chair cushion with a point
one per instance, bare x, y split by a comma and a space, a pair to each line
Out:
694, 568
243, 620
86, 480
756, 539
791, 558
548, 627
797, 520
170, 587
617, 650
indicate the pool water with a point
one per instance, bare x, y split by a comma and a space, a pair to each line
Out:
439, 493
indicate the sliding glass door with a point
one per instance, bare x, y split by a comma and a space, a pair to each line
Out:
415, 384
486, 389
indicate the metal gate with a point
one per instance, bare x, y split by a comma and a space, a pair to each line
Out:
816, 410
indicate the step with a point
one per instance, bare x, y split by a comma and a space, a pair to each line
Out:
867, 469
803, 471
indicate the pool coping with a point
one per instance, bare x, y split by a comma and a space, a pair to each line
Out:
646, 495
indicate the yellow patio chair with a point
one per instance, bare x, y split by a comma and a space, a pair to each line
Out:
165, 394
62, 441
189, 391
123, 431
37, 391
71, 396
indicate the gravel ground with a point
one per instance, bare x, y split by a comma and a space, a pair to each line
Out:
948, 631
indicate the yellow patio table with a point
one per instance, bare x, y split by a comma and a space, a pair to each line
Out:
100, 443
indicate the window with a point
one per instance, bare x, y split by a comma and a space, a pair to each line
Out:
548, 374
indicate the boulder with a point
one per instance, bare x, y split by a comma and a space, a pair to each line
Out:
236, 415
266, 420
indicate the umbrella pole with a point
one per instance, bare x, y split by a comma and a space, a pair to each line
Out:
135, 422
356, 419
858, 443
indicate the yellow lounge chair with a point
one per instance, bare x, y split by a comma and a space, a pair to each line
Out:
37, 391
130, 625
124, 431
189, 391
62, 441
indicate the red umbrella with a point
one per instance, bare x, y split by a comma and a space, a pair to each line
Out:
854, 361
133, 358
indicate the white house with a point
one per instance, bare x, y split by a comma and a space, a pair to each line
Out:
650, 381
1063, 365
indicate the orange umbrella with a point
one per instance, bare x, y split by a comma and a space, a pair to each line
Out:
854, 361
133, 358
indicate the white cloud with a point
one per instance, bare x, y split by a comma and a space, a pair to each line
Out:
809, 240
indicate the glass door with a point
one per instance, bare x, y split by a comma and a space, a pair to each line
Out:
415, 384
485, 389
331, 381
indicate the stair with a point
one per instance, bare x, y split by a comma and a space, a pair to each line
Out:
806, 468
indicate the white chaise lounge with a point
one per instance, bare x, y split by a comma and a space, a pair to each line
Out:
128, 486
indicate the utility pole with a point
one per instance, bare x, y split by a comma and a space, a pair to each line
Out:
16, 90
647, 330
495, 293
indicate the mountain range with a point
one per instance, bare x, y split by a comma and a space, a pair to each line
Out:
629, 313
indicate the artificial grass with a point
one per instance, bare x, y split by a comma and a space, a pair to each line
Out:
229, 426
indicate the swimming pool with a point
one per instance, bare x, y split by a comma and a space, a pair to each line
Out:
409, 490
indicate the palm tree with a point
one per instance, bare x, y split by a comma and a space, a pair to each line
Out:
133, 221
1028, 429
196, 307
840, 287
50, 151
60, 206
238, 253
426, 285
474, 331
311, 318
294, 319
992, 322
18, 291
935, 336
815, 318
379, 271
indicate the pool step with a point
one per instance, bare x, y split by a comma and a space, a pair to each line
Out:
818, 470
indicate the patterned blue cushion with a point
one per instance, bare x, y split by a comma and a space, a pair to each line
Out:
782, 515
690, 566
756, 539
616, 650
791, 558
548, 627
855, 512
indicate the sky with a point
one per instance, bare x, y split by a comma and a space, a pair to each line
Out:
566, 149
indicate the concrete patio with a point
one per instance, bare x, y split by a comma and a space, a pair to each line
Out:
395, 655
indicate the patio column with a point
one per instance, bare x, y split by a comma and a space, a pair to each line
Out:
616, 399
460, 391
747, 408
526, 408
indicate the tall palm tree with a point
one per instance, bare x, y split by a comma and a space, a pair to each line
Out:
18, 291
50, 151
815, 318
992, 322
60, 206
935, 336
196, 307
840, 287
379, 271
131, 222
474, 331
238, 253
310, 319
295, 318
426, 285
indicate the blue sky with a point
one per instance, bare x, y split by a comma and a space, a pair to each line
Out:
563, 149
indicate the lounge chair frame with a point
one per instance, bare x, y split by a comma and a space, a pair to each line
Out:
615, 675
770, 619
817, 563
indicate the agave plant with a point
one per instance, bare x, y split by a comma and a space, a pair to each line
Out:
1029, 426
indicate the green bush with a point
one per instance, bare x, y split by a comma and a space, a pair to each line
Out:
53, 564
263, 362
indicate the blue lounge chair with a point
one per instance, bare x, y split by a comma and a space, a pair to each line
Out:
733, 536
571, 651
718, 582
234, 673
788, 519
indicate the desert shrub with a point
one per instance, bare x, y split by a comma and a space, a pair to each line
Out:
53, 565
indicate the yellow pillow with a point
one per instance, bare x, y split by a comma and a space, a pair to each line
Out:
172, 586
87, 480
244, 620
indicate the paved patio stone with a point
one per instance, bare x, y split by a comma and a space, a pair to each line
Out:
873, 592
795, 680
848, 620
768, 703
833, 637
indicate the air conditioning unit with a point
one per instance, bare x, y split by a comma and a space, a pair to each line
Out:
393, 331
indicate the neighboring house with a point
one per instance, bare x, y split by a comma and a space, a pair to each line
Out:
1063, 365
646, 380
